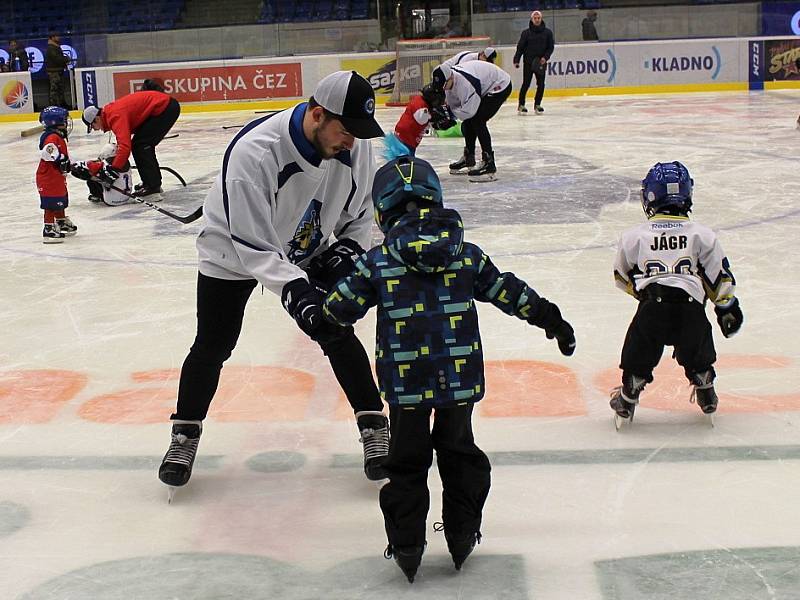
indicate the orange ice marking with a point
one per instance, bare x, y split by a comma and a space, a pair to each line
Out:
36, 396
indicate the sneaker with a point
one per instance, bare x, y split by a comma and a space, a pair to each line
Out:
374, 429
95, 199
522, 110
176, 467
145, 191
51, 234
408, 558
539, 110
67, 227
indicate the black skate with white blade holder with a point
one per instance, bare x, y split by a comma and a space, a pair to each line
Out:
486, 171
623, 410
463, 165
176, 467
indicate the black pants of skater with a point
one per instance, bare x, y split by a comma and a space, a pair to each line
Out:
220, 310
147, 137
528, 71
667, 317
475, 127
463, 467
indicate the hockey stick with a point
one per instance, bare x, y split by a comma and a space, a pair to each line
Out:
187, 219
168, 170
232, 126
32, 131
171, 137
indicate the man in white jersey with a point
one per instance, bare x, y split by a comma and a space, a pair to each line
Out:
671, 266
488, 54
290, 210
474, 91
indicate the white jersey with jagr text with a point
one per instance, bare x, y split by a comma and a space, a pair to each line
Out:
675, 252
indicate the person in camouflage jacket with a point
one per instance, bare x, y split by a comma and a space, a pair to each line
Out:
424, 279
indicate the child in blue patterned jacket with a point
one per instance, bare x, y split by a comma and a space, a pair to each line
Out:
425, 279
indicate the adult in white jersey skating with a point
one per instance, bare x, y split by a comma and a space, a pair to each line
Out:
290, 210
672, 265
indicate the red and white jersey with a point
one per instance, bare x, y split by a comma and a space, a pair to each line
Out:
676, 252
51, 181
412, 123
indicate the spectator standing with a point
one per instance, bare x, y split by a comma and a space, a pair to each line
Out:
17, 57
588, 28
535, 47
55, 63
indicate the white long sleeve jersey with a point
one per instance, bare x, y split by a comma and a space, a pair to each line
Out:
461, 57
471, 82
274, 205
676, 252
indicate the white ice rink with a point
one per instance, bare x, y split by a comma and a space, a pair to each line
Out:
93, 332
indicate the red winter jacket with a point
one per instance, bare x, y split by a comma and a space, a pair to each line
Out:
413, 122
50, 178
126, 115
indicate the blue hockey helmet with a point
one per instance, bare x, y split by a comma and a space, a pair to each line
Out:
55, 116
400, 185
667, 188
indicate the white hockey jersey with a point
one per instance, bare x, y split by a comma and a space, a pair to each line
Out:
472, 81
275, 204
676, 252
461, 57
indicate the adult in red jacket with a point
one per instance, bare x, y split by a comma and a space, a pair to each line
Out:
139, 122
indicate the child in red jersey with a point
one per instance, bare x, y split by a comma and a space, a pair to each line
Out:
51, 174
423, 110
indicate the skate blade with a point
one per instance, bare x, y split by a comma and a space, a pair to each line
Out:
482, 178
170, 493
454, 172
620, 422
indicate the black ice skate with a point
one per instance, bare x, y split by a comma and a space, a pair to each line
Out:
623, 409
374, 429
485, 171
408, 558
152, 194
176, 468
95, 199
461, 546
464, 164
538, 109
521, 110
67, 227
52, 234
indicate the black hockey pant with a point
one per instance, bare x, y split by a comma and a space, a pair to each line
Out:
463, 467
475, 126
220, 310
668, 316
529, 69
147, 137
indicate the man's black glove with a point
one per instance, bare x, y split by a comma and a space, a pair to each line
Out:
730, 318
336, 262
442, 117
547, 316
303, 301
108, 174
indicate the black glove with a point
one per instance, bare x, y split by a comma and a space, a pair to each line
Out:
442, 117
336, 262
730, 318
303, 301
81, 171
565, 336
108, 174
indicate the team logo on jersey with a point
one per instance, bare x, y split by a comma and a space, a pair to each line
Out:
15, 94
307, 236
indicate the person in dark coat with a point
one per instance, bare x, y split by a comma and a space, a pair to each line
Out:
17, 57
588, 28
534, 48
55, 63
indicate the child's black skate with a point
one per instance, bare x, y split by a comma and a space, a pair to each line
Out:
67, 227
374, 429
485, 171
461, 546
707, 400
464, 164
408, 558
623, 410
703, 393
176, 468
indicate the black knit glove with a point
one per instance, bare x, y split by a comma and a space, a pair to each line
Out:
730, 318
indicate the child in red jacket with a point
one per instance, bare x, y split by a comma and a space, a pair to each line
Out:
51, 174
423, 110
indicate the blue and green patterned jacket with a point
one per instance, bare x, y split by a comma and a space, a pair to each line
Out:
424, 280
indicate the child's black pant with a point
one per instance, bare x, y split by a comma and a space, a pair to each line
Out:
668, 316
463, 467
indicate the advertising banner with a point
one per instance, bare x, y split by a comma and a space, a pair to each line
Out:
214, 84
755, 63
782, 60
582, 66
382, 72
780, 18
89, 85
17, 93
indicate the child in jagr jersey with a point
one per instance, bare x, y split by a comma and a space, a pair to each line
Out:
51, 175
425, 279
424, 110
671, 266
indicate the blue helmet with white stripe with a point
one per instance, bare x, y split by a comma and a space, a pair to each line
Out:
401, 185
667, 189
